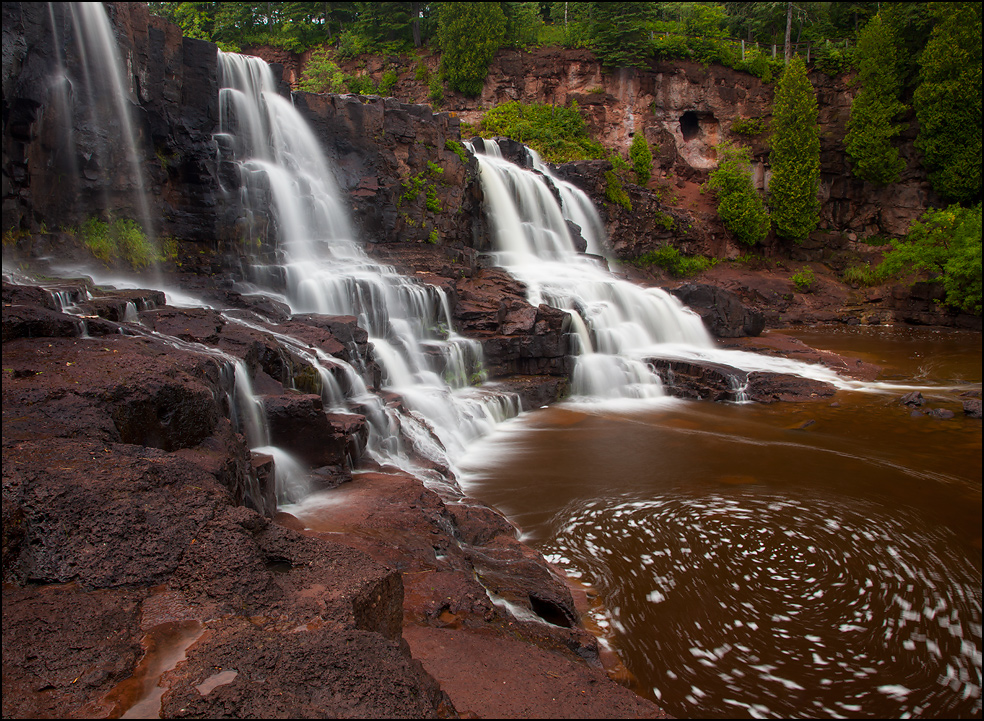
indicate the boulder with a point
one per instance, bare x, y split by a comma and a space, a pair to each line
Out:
722, 311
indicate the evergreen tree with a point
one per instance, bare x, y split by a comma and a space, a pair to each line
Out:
469, 33
795, 155
619, 34
948, 101
871, 128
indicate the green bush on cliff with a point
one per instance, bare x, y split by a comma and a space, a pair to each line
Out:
946, 243
322, 75
557, 133
739, 204
669, 259
641, 157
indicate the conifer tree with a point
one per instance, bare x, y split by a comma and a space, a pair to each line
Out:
948, 101
618, 32
469, 34
795, 156
871, 128
641, 157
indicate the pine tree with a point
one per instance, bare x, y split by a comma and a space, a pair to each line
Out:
618, 32
871, 128
948, 101
795, 156
469, 34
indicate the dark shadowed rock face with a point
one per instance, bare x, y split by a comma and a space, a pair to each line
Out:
723, 313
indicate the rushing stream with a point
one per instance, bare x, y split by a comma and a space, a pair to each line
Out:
750, 563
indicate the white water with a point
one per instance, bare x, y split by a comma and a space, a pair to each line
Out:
618, 325
326, 271
102, 69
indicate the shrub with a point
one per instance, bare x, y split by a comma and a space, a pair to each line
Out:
614, 192
322, 75
388, 82
947, 244
748, 126
641, 157
557, 133
457, 148
739, 204
860, 275
804, 279
669, 259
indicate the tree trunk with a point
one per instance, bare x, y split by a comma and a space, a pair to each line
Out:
789, 31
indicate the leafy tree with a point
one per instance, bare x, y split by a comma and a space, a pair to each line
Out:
739, 204
618, 32
948, 101
871, 128
469, 33
795, 155
947, 244
641, 157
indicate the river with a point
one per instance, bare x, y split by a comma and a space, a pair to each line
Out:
812, 559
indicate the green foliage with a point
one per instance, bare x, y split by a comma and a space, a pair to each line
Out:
795, 156
834, 59
388, 82
619, 34
947, 244
669, 259
748, 126
739, 204
435, 89
557, 133
948, 101
861, 275
664, 220
523, 23
122, 239
433, 201
871, 128
434, 236
641, 157
457, 148
469, 33
412, 187
804, 280
322, 75
614, 192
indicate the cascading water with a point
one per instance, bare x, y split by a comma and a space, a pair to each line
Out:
110, 123
618, 325
323, 270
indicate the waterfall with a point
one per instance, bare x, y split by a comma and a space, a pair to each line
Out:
110, 122
617, 324
285, 176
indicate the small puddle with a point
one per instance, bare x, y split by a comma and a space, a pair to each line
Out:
164, 646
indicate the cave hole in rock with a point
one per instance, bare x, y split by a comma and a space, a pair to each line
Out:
278, 564
550, 612
689, 125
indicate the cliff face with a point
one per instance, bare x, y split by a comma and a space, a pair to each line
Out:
686, 109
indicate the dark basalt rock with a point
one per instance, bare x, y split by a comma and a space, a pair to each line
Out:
723, 313
718, 382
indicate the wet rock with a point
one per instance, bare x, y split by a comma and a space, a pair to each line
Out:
942, 414
722, 311
915, 398
23, 321
299, 425
972, 407
718, 382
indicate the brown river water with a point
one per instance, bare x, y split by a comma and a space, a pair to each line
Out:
799, 559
